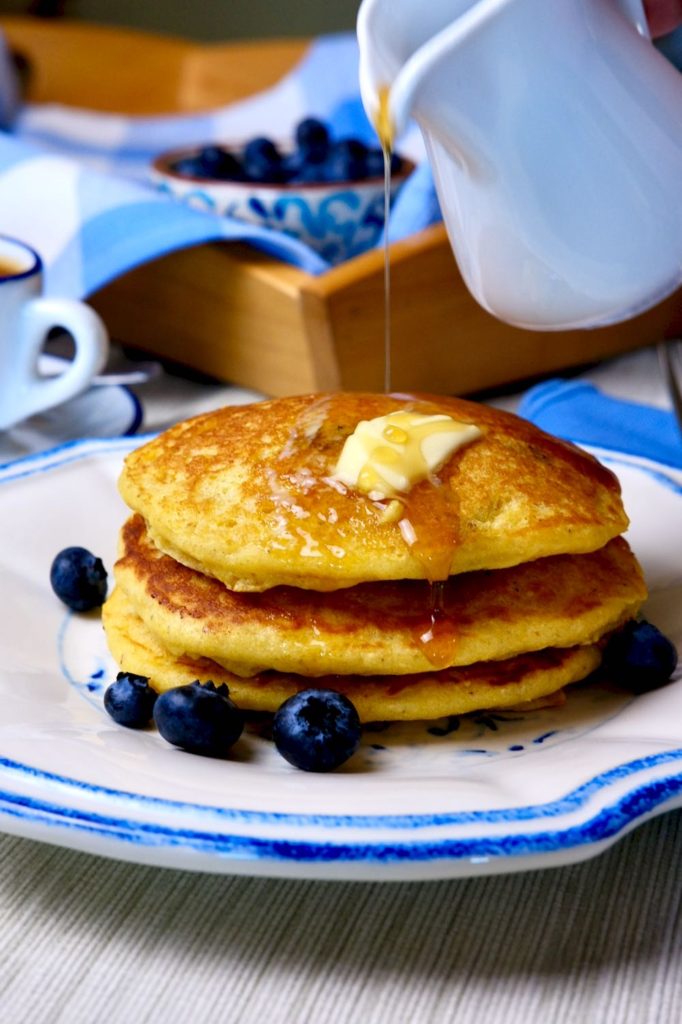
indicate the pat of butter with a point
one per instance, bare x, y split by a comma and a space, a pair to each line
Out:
390, 454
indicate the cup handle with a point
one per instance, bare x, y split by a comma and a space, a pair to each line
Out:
91, 343
634, 12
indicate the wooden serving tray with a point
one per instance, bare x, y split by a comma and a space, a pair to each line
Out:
241, 316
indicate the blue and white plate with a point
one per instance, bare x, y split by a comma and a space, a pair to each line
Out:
491, 793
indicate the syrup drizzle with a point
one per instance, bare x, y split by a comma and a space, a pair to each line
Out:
384, 130
387, 275
437, 640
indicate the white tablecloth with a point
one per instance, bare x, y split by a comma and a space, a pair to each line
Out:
86, 940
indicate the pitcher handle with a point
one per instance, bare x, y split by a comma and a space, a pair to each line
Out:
634, 12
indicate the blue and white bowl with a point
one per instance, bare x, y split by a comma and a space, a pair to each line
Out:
338, 220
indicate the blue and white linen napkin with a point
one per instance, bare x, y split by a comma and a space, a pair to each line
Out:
590, 413
72, 181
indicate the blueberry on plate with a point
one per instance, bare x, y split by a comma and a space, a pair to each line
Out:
130, 700
79, 579
199, 718
640, 657
316, 730
262, 161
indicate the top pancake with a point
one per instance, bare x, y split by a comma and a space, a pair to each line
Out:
244, 494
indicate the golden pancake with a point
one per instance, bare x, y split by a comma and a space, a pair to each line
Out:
430, 695
246, 494
383, 628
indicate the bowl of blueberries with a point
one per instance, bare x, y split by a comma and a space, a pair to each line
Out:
327, 192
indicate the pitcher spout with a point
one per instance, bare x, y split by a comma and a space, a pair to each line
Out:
382, 46
404, 49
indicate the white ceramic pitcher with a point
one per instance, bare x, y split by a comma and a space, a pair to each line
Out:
554, 131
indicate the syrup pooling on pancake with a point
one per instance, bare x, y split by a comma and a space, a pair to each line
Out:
375, 468
246, 494
292, 478
385, 458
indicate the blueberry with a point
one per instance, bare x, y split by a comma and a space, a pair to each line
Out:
262, 161
397, 163
216, 162
130, 700
312, 139
316, 730
375, 163
189, 165
199, 718
347, 161
79, 579
292, 165
640, 657
306, 172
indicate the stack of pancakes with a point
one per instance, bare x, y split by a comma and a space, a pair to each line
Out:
491, 583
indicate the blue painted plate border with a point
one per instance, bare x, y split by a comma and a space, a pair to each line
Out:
606, 824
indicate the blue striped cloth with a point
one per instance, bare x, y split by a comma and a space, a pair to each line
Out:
72, 182
579, 411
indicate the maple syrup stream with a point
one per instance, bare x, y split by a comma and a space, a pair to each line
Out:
385, 132
436, 642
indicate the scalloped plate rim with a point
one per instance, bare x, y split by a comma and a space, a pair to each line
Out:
212, 850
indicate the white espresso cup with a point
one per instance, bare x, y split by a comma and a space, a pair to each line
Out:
26, 318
